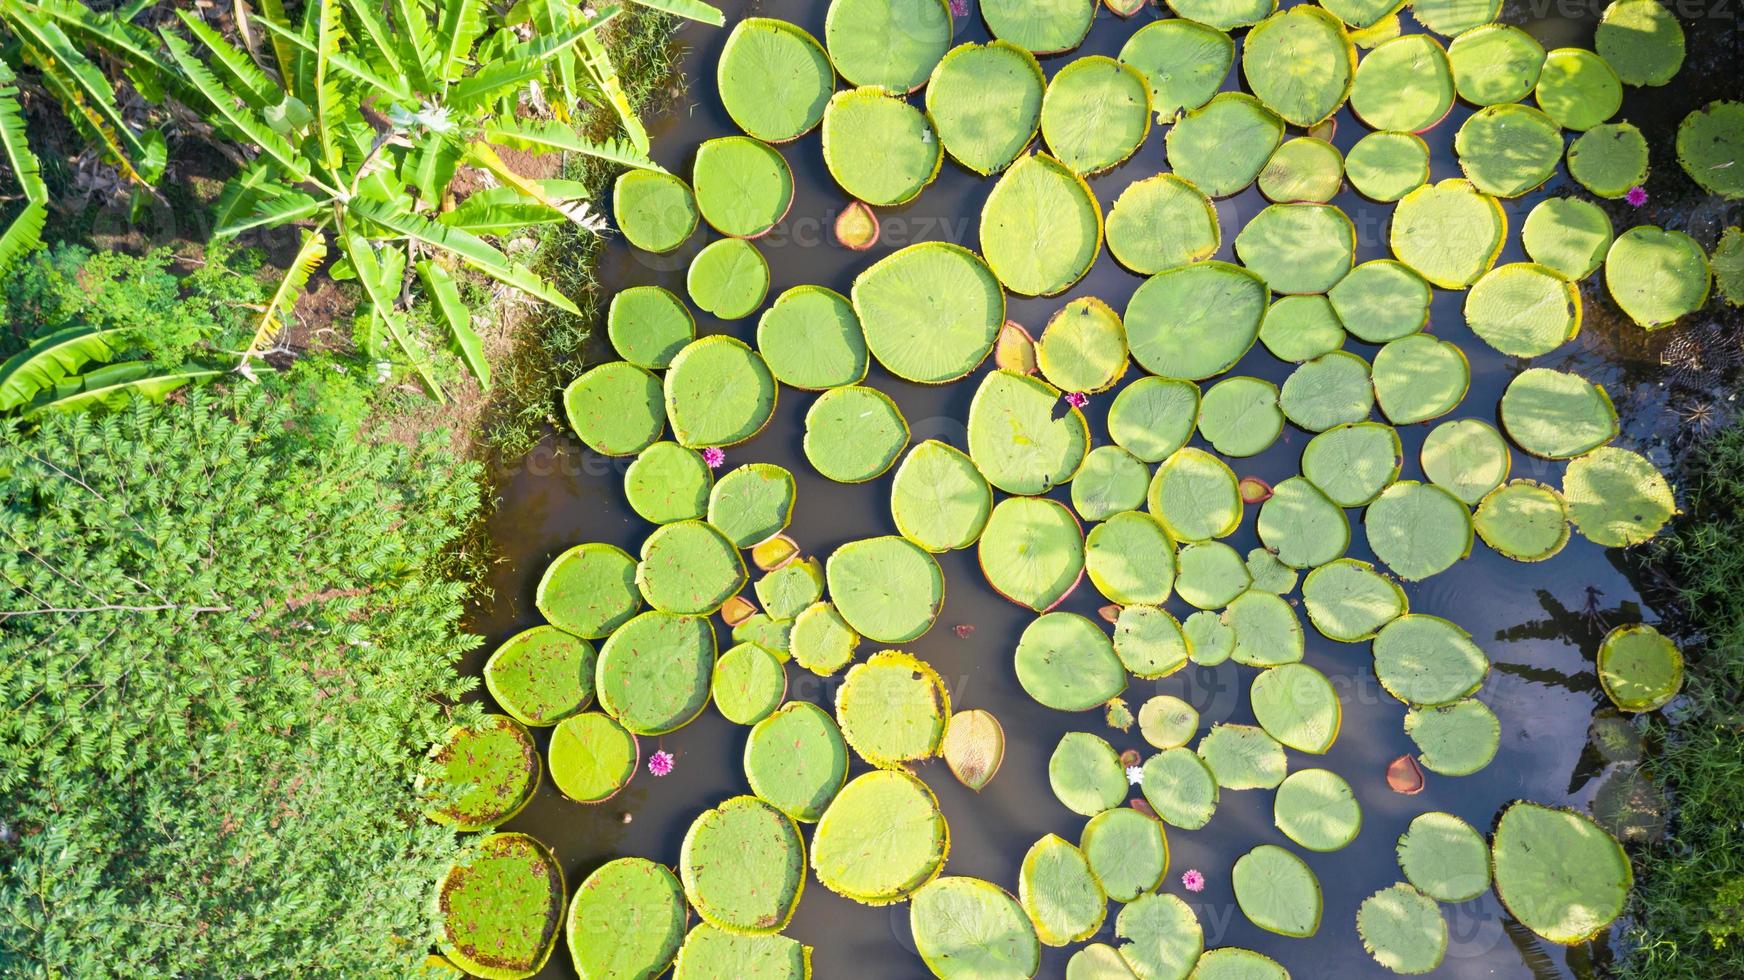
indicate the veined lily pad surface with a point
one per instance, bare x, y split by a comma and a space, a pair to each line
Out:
666, 482
1086, 775
966, 927
656, 211
1403, 929
1023, 436
1128, 852
728, 278
1450, 233
1277, 891
888, 589
654, 672
1222, 146
1183, 60
1405, 84
743, 866
1130, 558
1445, 858
796, 760
1041, 26
627, 919
1298, 706
713, 952
1181, 788
939, 499
854, 433
1243, 757
486, 772
592, 757
743, 186
1067, 663
1317, 809
1032, 551
1301, 170
1096, 113
1195, 321
751, 503
1567, 235
749, 682
1160, 937
615, 408
879, 148
1063, 899
931, 311
1639, 668
1427, 660
1456, 739
893, 709
889, 43
1706, 141
1495, 64
499, 907
985, 102
880, 839
1656, 276
1300, 63
1557, 872
1041, 227
1386, 164
542, 675
648, 325
774, 79
811, 339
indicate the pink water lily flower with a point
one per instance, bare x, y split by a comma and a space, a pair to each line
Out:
714, 457
660, 763
1193, 881
1637, 196
959, 8
1077, 399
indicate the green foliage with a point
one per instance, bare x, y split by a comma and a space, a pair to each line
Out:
224, 643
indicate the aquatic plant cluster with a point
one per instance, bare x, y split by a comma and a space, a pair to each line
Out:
630, 649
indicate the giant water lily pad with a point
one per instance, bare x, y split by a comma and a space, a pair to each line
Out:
743, 186
1708, 145
888, 43
854, 433
1640, 668
887, 588
1195, 321
1267, 630
718, 392
1022, 437
743, 866
589, 590
1444, 857
592, 757
1524, 520
1161, 222
1523, 309
1184, 61
1578, 89
1086, 775
1418, 529
1402, 929
1616, 498
499, 907
1557, 415
1235, 963
1449, 233
656, 211
810, 338
1096, 113
1332, 389
1609, 159
1352, 464
1364, 14
1428, 661
626, 920
1195, 495
1083, 347
893, 709
1728, 265
541, 676
774, 79
749, 683
1567, 235
1300, 63
1224, 14
795, 760
1162, 938
1303, 526
939, 500
1298, 706
1317, 809
1032, 551
1041, 26
1128, 852
1211, 640
1040, 227
1240, 416
1558, 873
973, 748
1130, 559
615, 408
1381, 300
1180, 787
485, 773
1420, 377
1149, 642
1152, 417
1656, 276
1209, 574
1405, 84
1063, 900
1067, 663
1301, 328
1455, 739
880, 149
1348, 600
966, 927
1222, 146
930, 311
1298, 248
654, 673
1243, 757
647, 325
1508, 150
985, 101
1386, 165
1167, 722
880, 839
1495, 64
1277, 891
1269, 574
1450, 18
690, 567
710, 952
667, 482
752, 503
1303, 170
1111, 481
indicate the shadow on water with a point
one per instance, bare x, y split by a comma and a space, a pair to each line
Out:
1539, 623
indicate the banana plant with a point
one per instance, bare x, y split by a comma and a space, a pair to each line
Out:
359, 115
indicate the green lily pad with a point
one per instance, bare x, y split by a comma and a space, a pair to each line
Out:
1130, 559
647, 326
656, 211
1405, 84
930, 311
1040, 227
1402, 929
499, 907
589, 590
541, 676
1162, 222
1317, 809
1449, 233
795, 760
1557, 415
791, 589
1381, 301
1523, 309
667, 482
1639, 668
1225, 15
886, 588
1420, 377
1299, 63
1063, 900
1418, 529
743, 866
880, 839
743, 186
1235, 963
774, 79
810, 338
710, 952
1180, 787
1152, 417
1445, 858
1163, 938
1018, 437
893, 709
1708, 143
1656, 276
1558, 873
1210, 574
1508, 150
1728, 266
821, 640
1128, 852
1298, 706
1303, 170
1467, 457
1455, 739
1364, 14
1184, 61
1211, 639
1330, 390
1195, 321
1301, 328
1267, 630
728, 279
1083, 347
1240, 416
1387, 165
938, 499
1610, 158
1616, 498
615, 408
879, 148
1096, 112
1065, 662
719, 392
1149, 642
690, 567
1302, 526
1523, 520
774, 635
592, 757
1277, 891
653, 674
1195, 495
1349, 601
1243, 757
749, 682
985, 101
1086, 775
1269, 574
752, 503
1222, 146
1495, 64
1111, 481
1578, 89
626, 920
486, 772
854, 434
1298, 248
1426, 661
889, 43
1167, 722
1567, 235
966, 928
1040, 26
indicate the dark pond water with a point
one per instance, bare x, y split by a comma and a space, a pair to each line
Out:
1540, 624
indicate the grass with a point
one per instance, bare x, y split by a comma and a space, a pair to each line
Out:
1688, 916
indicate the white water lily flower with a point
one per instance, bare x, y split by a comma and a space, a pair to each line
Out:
1135, 774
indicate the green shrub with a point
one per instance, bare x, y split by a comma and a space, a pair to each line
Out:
224, 648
